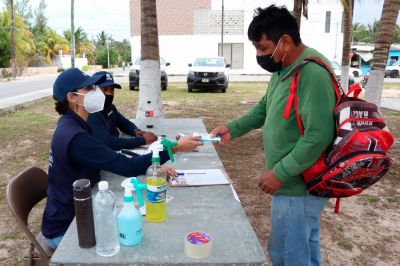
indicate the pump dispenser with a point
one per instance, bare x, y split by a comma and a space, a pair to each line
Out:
156, 181
129, 220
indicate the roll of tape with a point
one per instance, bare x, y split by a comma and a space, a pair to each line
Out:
198, 245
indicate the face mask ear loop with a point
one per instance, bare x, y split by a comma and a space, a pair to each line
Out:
276, 48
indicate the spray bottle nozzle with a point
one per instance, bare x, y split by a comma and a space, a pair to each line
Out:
139, 186
128, 196
167, 144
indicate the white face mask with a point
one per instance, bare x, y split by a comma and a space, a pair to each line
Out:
93, 101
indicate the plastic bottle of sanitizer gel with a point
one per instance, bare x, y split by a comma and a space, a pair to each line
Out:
129, 220
156, 181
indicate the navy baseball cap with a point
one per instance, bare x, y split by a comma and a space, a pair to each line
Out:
109, 80
73, 79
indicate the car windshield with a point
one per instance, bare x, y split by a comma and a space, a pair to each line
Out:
210, 62
162, 61
335, 65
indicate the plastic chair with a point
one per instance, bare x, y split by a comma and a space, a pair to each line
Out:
24, 191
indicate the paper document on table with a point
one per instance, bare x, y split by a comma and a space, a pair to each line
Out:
199, 177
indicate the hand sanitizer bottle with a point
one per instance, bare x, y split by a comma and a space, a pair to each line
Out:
129, 220
156, 181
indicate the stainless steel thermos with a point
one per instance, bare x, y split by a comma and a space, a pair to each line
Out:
84, 213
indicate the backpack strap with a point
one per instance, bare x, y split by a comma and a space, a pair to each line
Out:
293, 98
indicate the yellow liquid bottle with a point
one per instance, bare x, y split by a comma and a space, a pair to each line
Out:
156, 181
156, 208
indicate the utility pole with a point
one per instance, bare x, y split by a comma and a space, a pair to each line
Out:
12, 40
72, 35
108, 53
222, 28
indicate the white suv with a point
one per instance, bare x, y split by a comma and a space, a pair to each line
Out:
208, 73
393, 70
134, 74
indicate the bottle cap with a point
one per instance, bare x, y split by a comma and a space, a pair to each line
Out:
103, 185
82, 189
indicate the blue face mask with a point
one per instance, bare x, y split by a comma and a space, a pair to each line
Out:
267, 62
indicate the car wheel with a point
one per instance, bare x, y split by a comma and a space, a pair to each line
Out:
394, 74
190, 89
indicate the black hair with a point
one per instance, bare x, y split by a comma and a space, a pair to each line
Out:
274, 22
61, 107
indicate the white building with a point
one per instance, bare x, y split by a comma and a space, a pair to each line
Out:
191, 28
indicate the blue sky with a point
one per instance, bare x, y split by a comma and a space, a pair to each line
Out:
112, 16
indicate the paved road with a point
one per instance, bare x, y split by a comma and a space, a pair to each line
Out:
25, 90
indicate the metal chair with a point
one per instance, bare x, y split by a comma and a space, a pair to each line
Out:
24, 191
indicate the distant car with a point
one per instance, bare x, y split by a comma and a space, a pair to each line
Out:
393, 70
338, 72
208, 73
135, 72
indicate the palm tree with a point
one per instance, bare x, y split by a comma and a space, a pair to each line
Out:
82, 43
298, 7
149, 80
102, 38
347, 33
51, 44
384, 39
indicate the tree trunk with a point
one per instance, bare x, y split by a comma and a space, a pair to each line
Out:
150, 104
347, 33
383, 41
297, 8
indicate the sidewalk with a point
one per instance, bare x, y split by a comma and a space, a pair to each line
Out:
391, 103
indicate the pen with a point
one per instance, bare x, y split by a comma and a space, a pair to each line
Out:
200, 173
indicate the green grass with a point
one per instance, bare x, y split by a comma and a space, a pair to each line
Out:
373, 199
389, 85
344, 244
392, 199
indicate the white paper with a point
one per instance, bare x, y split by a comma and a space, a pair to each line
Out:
199, 177
204, 137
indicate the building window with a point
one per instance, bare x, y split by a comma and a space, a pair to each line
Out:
328, 22
233, 54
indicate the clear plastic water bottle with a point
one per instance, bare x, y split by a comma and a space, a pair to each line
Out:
105, 216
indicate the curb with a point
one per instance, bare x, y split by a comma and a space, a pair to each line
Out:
10, 109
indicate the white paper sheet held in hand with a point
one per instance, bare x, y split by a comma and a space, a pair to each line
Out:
199, 177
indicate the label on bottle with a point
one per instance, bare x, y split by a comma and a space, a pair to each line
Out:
156, 194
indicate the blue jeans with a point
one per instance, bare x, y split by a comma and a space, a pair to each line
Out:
294, 237
54, 242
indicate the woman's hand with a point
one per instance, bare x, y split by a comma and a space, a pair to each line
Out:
170, 171
187, 144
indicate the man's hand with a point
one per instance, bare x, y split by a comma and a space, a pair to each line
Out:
269, 183
187, 144
149, 137
223, 132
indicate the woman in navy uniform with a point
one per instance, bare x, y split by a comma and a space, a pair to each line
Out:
76, 154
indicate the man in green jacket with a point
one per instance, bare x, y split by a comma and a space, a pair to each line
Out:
295, 215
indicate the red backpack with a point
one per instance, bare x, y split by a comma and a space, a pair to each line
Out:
357, 157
